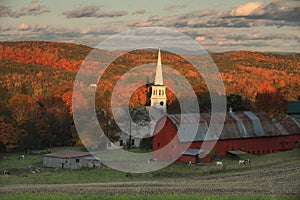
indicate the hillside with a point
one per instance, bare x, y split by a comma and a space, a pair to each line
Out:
36, 80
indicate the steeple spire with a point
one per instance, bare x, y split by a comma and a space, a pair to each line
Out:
158, 95
158, 76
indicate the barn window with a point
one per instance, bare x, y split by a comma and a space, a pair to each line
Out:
158, 144
77, 160
159, 92
132, 142
121, 142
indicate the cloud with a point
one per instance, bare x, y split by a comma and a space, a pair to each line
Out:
274, 11
112, 14
251, 14
33, 9
200, 38
23, 27
93, 11
174, 8
31, 27
88, 11
245, 9
278, 11
139, 12
5, 28
4, 11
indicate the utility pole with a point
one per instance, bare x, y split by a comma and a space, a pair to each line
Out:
129, 142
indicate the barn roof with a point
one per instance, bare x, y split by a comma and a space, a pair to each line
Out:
237, 152
246, 124
68, 154
291, 125
193, 152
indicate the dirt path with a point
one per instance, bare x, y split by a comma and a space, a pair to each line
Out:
281, 179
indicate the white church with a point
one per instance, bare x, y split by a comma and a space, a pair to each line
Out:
157, 108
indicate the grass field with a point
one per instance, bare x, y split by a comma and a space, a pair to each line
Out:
20, 172
268, 176
135, 197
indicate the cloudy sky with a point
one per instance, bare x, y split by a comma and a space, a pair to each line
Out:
218, 25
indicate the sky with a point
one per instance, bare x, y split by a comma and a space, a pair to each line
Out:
218, 25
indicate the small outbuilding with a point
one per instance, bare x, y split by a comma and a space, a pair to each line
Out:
71, 160
236, 154
194, 156
294, 109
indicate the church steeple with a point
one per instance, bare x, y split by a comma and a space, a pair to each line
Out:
158, 76
158, 96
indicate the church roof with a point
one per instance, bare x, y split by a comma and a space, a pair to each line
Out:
158, 75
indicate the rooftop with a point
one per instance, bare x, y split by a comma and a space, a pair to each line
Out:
193, 152
68, 154
244, 124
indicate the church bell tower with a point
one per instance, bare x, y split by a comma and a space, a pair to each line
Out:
158, 95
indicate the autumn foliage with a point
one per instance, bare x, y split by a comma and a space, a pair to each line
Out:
36, 80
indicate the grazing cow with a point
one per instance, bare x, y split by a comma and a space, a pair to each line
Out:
219, 164
191, 164
21, 157
244, 162
150, 160
6, 172
128, 175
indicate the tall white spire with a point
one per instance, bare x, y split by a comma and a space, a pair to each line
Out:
158, 76
158, 95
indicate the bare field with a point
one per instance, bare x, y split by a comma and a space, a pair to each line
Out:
276, 180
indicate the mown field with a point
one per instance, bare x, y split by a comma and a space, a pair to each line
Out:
136, 197
268, 176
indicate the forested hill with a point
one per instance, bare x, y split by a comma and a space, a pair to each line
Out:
49, 68
36, 79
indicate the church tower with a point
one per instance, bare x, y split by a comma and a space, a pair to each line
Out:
158, 95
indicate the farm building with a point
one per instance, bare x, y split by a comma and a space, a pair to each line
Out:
294, 109
71, 160
250, 132
183, 137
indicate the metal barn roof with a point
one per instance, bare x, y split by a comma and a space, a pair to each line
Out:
237, 152
193, 152
247, 124
68, 154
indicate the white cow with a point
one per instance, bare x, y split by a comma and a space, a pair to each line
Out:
219, 164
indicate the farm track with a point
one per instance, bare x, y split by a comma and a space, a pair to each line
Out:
278, 180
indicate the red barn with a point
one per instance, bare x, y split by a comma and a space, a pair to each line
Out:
182, 137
